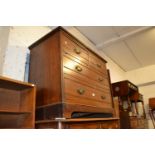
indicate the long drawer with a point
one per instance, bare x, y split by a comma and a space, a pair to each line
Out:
78, 92
75, 100
84, 71
101, 84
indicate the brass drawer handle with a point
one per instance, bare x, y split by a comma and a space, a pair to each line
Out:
98, 65
100, 79
103, 97
78, 68
81, 91
65, 52
77, 50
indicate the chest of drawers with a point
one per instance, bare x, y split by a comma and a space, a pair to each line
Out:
70, 77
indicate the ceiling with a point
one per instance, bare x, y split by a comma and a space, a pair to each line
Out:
131, 47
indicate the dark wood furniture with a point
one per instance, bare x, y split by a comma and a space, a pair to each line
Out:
152, 110
152, 103
17, 104
72, 81
128, 96
86, 123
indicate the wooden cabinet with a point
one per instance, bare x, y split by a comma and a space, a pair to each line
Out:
152, 109
70, 77
17, 104
128, 97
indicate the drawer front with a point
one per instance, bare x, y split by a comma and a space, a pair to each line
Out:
84, 71
81, 101
93, 125
82, 91
100, 84
83, 125
97, 64
110, 125
69, 47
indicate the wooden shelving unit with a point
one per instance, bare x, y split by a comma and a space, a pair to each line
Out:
17, 104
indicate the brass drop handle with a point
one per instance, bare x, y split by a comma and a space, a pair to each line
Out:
103, 97
77, 50
65, 52
81, 91
98, 65
100, 79
78, 68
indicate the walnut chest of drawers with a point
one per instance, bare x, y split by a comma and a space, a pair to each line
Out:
70, 77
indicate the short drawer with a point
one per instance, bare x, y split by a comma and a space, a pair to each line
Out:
97, 64
69, 47
80, 91
84, 71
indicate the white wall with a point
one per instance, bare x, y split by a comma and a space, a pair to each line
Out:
4, 35
17, 49
26, 35
14, 63
141, 76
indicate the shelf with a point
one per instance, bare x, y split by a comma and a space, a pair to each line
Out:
14, 112
14, 84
